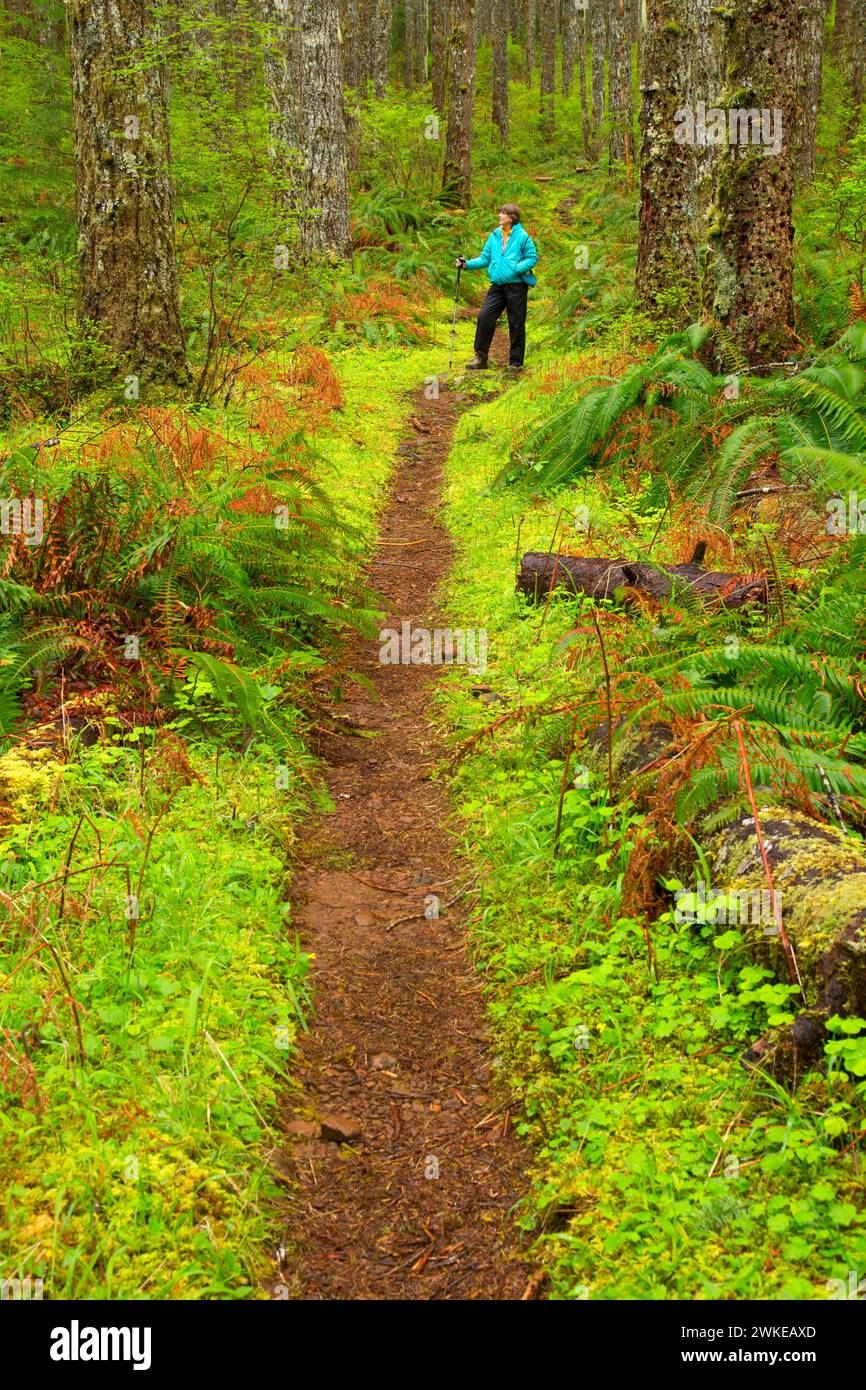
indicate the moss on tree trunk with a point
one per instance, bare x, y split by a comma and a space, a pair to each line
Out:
457, 173
127, 273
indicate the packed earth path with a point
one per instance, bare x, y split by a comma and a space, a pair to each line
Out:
406, 1168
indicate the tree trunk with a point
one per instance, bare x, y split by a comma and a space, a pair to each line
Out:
381, 45
349, 23
671, 231
568, 22
849, 46
282, 67
586, 124
600, 18
750, 267
420, 42
127, 273
500, 71
810, 54
325, 224
621, 115
364, 45
457, 173
529, 23
409, 16
439, 51
238, 48
515, 19
548, 64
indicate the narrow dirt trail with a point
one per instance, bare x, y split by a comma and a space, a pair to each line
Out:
398, 1050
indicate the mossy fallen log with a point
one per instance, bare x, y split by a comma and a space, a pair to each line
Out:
819, 877
603, 578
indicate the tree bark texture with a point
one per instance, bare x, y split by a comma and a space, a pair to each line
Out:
127, 272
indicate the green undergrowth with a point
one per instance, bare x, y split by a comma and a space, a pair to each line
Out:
663, 1170
137, 1118
150, 1003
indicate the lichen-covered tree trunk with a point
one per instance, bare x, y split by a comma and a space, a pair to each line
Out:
672, 230
420, 42
457, 172
568, 24
239, 55
809, 54
621, 115
515, 19
325, 220
500, 71
548, 64
849, 45
707, 85
530, 15
408, 45
582, 37
127, 272
439, 52
282, 68
381, 19
750, 264
365, 46
349, 24
599, 18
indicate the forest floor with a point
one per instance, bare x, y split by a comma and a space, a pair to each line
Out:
409, 1194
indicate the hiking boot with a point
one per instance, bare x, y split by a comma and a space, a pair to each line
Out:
478, 363
514, 367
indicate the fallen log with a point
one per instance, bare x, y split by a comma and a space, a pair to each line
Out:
819, 876
601, 578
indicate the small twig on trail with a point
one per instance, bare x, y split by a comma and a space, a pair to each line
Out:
403, 1263
491, 1115
413, 916
535, 1285
380, 887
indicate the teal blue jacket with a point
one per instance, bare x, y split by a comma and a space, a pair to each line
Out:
513, 265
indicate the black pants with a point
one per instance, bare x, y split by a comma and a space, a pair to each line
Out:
513, 299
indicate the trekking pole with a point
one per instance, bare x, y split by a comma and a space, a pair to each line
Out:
454, 320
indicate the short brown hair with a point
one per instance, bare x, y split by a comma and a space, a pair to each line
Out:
511, 210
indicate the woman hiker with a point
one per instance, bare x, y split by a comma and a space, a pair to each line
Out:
509, 255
